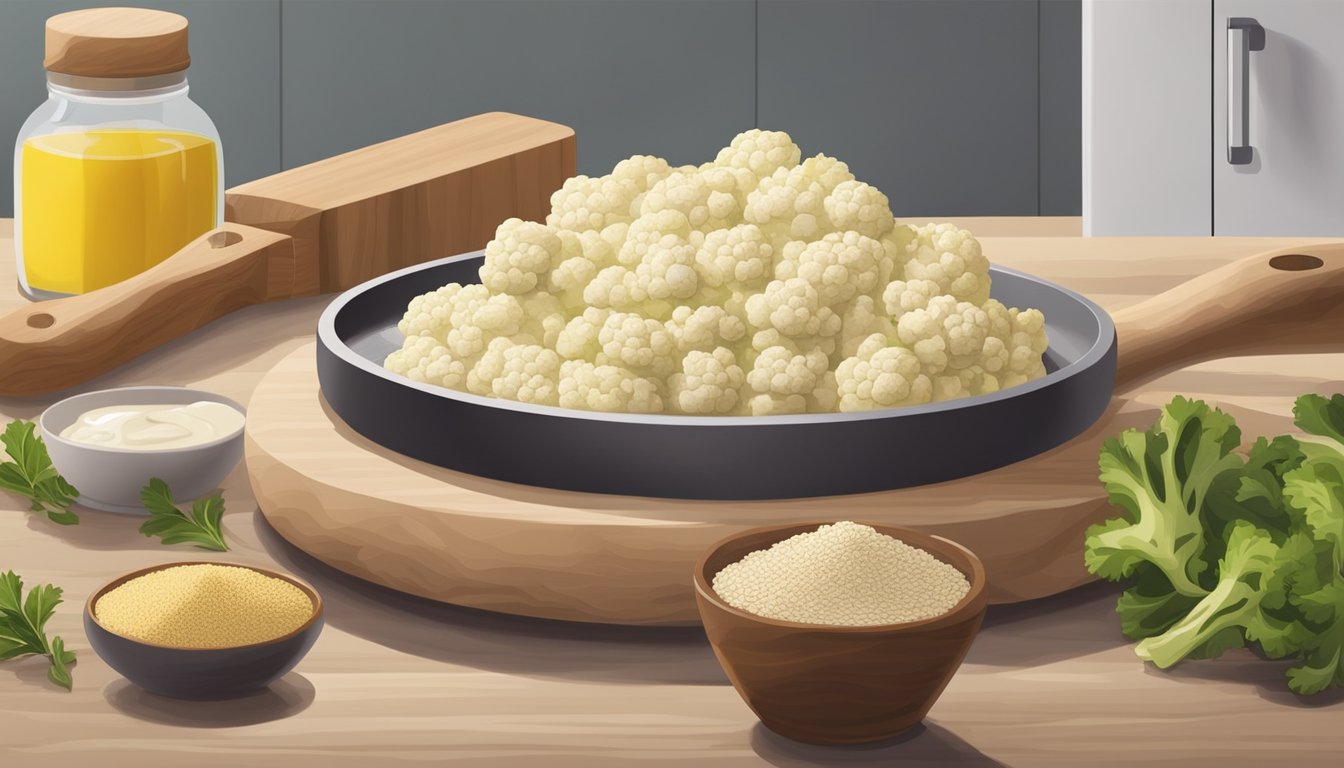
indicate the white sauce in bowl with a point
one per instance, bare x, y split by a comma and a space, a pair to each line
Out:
155, 427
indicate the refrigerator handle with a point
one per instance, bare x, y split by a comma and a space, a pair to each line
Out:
1243, 36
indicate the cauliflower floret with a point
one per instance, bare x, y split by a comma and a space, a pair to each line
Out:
585, 203
826, 171
860, 320
1000, 319
479, 322
543, 317
788, 206
879, 376
896, 249
433, 313
708, 382
1028, 343
648, 231
667, 270
761, 152
859, 207
951, 386
730, 180
780, 371
704, 328
643, 171
664, 276
776, 405
839, 266
569, 279
638, 343
705, 208
826, 396
579, 338
527, 373
975, 380
949, 256
607, 388
965, 329
793, 307
740, 258
901, 296
423, 358
613, 287
519, 256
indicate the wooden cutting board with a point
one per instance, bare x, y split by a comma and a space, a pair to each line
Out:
537, 552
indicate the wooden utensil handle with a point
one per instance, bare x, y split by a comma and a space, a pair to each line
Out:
54, 344
1283, 301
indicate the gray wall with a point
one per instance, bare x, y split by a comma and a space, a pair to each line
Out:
953, 107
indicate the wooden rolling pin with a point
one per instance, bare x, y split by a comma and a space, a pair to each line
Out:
319, 228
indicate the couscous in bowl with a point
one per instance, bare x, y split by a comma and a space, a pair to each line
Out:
184, 672
837, 684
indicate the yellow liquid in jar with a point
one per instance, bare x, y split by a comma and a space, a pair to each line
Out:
100, 206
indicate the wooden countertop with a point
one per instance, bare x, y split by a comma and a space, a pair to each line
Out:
396, 680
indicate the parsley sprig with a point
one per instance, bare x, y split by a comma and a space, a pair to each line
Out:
23, 623
31, 474
200, 526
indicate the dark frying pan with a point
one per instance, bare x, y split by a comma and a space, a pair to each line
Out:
1273, 302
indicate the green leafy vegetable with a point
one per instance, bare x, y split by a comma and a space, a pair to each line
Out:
1315, 493
1250, 582
200, 527
1151, 606
1222, 550
23, 623
1160, 478
31, 474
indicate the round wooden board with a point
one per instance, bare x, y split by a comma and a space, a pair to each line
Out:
471, 541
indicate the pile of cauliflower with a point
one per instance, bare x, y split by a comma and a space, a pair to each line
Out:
757, 284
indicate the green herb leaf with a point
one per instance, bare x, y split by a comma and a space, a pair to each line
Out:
173, 526
23, 623
59, 671
32, 475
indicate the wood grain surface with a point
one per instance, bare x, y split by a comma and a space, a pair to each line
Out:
397, 680
411, 199
116, 42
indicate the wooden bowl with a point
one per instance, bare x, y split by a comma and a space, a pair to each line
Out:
202, 673
826, 684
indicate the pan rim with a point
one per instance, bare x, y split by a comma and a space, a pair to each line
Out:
327, 336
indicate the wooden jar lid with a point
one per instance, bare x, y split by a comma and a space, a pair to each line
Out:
116, 42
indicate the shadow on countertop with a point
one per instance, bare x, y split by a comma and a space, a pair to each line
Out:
927, 744
1241, 668
1079, 622
284, 698
516, 645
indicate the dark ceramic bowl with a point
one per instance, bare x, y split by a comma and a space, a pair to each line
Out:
201, 673
826, 684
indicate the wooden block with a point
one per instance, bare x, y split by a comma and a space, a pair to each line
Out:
430, 194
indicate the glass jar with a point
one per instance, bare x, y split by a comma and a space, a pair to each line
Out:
118, 169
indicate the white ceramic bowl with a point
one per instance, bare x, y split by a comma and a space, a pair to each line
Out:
110, 479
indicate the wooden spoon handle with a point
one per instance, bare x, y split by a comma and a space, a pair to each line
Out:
54, 344
1284, 301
